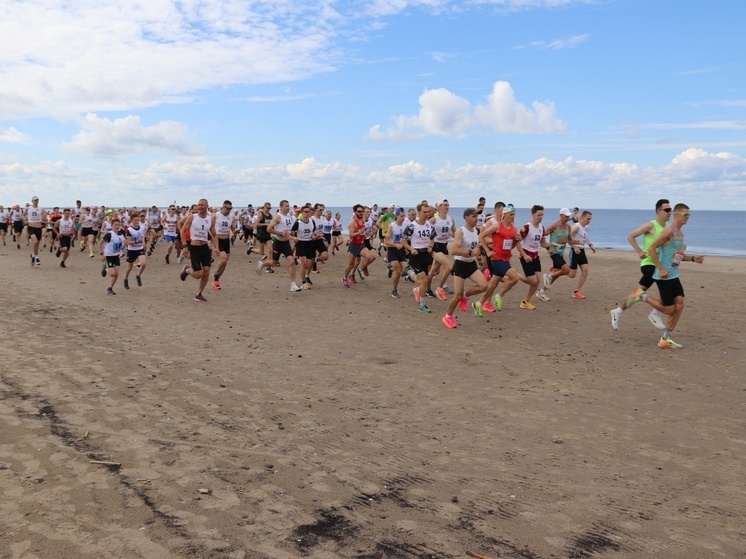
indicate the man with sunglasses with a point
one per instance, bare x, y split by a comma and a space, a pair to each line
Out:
650, 231
224, 222
667, 252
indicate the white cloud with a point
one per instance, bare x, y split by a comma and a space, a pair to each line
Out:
693, 175
61, 59
106, 138
567, 43
443, 113
13, 136
391, 7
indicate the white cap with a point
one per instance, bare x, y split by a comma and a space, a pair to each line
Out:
566, 211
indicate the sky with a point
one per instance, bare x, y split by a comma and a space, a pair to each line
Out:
589, 103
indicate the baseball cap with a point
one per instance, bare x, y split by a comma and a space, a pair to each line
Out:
509, 209
398, 211
35, 198
566, 211
444, 201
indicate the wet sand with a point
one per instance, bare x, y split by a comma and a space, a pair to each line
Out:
343, 423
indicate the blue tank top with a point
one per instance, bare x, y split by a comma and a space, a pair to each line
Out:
671, 254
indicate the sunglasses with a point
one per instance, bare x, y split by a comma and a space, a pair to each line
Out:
684, 214
667, 210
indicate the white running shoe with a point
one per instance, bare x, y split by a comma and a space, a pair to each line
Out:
542, 295
656, 319
614, 319
294, 287
547, 281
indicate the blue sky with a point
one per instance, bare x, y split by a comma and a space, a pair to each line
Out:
590, 103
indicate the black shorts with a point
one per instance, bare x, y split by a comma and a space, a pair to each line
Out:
464, 269
306, 249
247, 233
261, 235
647, 275
355, 250
4, 227
281, 248
421, 261
85, 231
321, 245
531, 268
336, 233
577, 259
441, 247
328, 237
201, 256
224, 245
112, 261
669, 290
500, 268
133, 255
396, 255
35, 232
18, 226
367, 244
557, 260
65, 241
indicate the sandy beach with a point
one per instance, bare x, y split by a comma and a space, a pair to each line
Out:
343, 423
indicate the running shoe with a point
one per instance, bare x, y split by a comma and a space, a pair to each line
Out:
441, 293
138, 280
305, 285
345, 282
635, 296
259, 267
361, 273
547, 281
448, 290
126, 284
541, 294
269, 270
498, 301
463, 304
487, 274
216, 285
103, 271
391, 271
395, 294
110, 291
62, 264
429, 293
449, 322
309, 282
200, 298
408, 279
57, 254
656, 319
168, 259
527, 305
352, 279
183, 274
91, 256
31, 256
423, 308
477, 306
614, 319
669, 343
294, 287
488, 307
416, 292
38, 262
578, 295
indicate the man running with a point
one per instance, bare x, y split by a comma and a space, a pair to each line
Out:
445, 228
224, 223
135, 236
532, 237
396, 255
356, 244
667, 252
111, 245
280, 227
649, 231
197, 228
418, 240
579, 240
559, 235
35, 219
64, 230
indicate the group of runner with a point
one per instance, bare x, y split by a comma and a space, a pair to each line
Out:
417, 244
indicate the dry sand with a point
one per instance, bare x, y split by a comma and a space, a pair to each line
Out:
342, 423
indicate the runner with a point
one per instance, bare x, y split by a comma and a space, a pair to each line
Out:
337, 233
396, 255
465, 249
418, 240
280, 228
4, 220
110, 248
197, 228
16, 216
303, 234
388, 216
579, 240
35, 220
368, 255
64, 230
559, 235
532, 237
135, 235
667, 252
445, 228
224, 223
320, 241
86, 230
504, 239
170, 224
263, 246
650, 231
356, 244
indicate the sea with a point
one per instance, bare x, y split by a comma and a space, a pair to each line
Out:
719, 233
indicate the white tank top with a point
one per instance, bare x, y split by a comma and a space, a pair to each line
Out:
443, 229
33, 214
137, 236
532, 240
115, 244
223, 224
65, 226
304, 231
285, 223
200, 227
421, 235
470, 241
